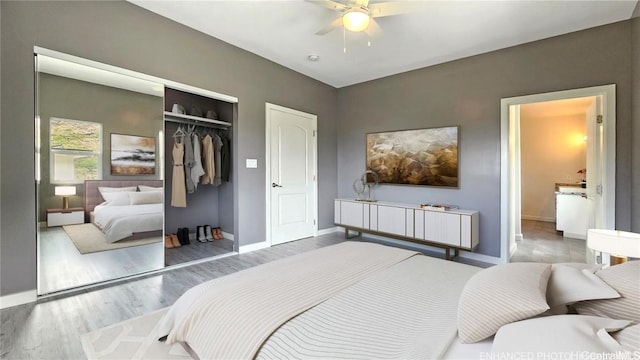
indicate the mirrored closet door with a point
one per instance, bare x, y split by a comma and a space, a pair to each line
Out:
99, 174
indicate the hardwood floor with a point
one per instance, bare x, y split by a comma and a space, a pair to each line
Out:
51, 328
542, 243
196, 251
63, 267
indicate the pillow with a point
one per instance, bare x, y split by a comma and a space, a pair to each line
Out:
144, 188
629, 337
568, 285
560, 334
117, 198
104, 190
625, 279
146, 197
500, 295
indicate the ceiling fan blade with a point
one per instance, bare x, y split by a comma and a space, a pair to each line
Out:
330, 4
394, 8
334, 24
373, 30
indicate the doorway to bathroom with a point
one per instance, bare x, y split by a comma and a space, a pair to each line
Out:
551, 143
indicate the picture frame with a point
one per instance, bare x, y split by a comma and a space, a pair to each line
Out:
423, 157
133, 155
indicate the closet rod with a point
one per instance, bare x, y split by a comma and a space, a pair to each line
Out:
197, 123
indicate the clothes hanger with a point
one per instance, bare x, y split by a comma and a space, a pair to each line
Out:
179, 134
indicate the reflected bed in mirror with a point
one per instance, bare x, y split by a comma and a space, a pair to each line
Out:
125, 210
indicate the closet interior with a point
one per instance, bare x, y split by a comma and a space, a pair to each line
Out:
198, 133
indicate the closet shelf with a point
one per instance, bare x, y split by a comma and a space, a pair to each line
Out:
173, 116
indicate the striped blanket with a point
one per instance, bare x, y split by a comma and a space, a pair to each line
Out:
231, 317
407, 311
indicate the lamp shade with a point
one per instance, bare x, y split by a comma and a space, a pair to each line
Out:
614, 242
356, 20
65, 190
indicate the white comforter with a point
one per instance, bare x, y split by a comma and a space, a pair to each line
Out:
119, 222
347, 301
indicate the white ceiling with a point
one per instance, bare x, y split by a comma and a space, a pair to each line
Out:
439, 31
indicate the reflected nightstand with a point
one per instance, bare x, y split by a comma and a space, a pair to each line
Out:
59, 217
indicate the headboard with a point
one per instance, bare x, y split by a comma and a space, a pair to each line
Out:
92, 196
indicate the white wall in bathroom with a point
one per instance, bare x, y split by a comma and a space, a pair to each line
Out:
553, 150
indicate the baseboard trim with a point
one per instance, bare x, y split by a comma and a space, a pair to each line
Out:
574, 236
16, 299
194, 236
538, 218
253, 247
326, 231
512, 251
519, 237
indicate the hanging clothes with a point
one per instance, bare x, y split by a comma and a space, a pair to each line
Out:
197, 169
217, 147
226, 158
188, 163
208, 159
178, 189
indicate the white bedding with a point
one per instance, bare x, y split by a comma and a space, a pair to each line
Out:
119, 222
406, 311
394, 306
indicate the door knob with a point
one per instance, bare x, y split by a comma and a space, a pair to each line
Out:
275, 185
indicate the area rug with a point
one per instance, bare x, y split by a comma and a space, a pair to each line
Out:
131, 339
89, 239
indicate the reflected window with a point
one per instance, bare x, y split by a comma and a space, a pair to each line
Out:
76, 150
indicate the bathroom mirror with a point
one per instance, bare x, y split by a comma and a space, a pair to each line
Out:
99, 174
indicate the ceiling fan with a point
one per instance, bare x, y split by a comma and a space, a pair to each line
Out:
358, 15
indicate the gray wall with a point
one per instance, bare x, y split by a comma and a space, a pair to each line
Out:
124, 35
119, 111
467, 92
635, 108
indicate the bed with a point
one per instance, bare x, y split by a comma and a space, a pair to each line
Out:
359, 300
130, 214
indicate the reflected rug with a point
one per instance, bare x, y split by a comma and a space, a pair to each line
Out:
131, 339
89, 239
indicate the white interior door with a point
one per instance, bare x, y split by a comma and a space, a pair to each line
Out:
595, 165
291, 175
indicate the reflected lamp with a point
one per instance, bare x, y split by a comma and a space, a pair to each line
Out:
65, 192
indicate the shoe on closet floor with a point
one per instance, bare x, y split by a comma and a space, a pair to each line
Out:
207, 232
175, 241
183, 236
200, 235
217, 234
167, 241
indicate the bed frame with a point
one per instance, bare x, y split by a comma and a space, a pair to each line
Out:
92, 198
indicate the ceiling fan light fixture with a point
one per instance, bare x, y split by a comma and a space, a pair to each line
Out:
356, 20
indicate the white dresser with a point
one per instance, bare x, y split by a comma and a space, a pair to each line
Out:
452, 229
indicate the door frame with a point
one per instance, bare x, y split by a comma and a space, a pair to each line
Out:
509, 155
267, 164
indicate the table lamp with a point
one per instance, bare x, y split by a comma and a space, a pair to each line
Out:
65, 192
618, 244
